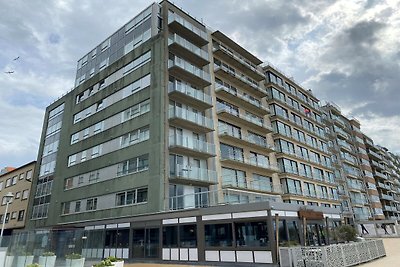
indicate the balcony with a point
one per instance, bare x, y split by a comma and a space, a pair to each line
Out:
192, 175
374, 155
355, 186
184, 93
189, 146
218, 197
180, 46
247, 120
238, 62
383, 186
257, 165
241, 80
232, 182
242, 99
189, 120
386, 197
380, 175
184, 70
226, 134
361, 216
187, 29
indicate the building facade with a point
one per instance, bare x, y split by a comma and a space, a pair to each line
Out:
17, 181
169, 125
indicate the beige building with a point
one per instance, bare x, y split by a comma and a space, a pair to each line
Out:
18, 182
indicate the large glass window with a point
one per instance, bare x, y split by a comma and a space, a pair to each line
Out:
218, 235
188, 236
251, 234
170, 236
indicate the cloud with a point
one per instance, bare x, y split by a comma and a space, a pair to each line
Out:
346, 51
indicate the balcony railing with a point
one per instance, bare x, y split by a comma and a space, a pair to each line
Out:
241, 78
193, 173
218, 197
174, 38
191, 69
190, 116
258, 142
173, 17
255, 162
253, 185
190, 92
191, 144
243, 97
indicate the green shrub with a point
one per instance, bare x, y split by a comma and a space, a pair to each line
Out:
73, 256
104, 263
48, 254
346, 233
33, 265
113, 259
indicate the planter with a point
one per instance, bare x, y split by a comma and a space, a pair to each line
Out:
9, 261
22, 261
47, 261
75, 262
118, 263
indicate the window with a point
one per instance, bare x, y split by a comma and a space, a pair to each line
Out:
170, 236
96, 151
74, 138
18, 195
21, 215
91, 204
83, 156
232, 177
72, 160
251, 234
77, 206
1, 185
13, 215
218, 235
142, 195
66, 208
231, 152
104, 45
25, 194
8, 182
188, 236
22, 176
14, 180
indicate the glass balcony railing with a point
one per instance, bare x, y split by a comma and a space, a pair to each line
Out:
253, 140
183, 64
184, 114
242, 78
256, 162
174, 38
239, 59
175, 17
189, 91
192, 144
218, 197
193, 173
220, 87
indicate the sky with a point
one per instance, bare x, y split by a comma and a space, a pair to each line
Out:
347, 52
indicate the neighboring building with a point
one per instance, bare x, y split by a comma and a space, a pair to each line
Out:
356, 184
6, 169
385, 169
306, 172
18, 181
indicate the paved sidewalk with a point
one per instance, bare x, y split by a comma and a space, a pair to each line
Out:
392, 259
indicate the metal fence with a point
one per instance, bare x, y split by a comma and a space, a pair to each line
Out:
339, 255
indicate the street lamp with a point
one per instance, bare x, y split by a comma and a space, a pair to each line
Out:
8, 197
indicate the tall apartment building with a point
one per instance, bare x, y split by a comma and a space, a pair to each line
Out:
306, 171
168, 119
357, 188
386, 173
17, 181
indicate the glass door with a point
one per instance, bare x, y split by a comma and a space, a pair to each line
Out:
145, 243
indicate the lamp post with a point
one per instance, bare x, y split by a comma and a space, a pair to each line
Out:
9, 196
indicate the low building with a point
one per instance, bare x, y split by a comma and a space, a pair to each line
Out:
18, 182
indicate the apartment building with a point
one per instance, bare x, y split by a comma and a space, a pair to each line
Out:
385, 171
16, 181
169, 128
306, 172
357, 189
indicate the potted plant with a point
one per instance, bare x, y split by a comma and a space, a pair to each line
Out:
103, 263
9, 260
117, 262
74, 260
24, 259
47, 259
